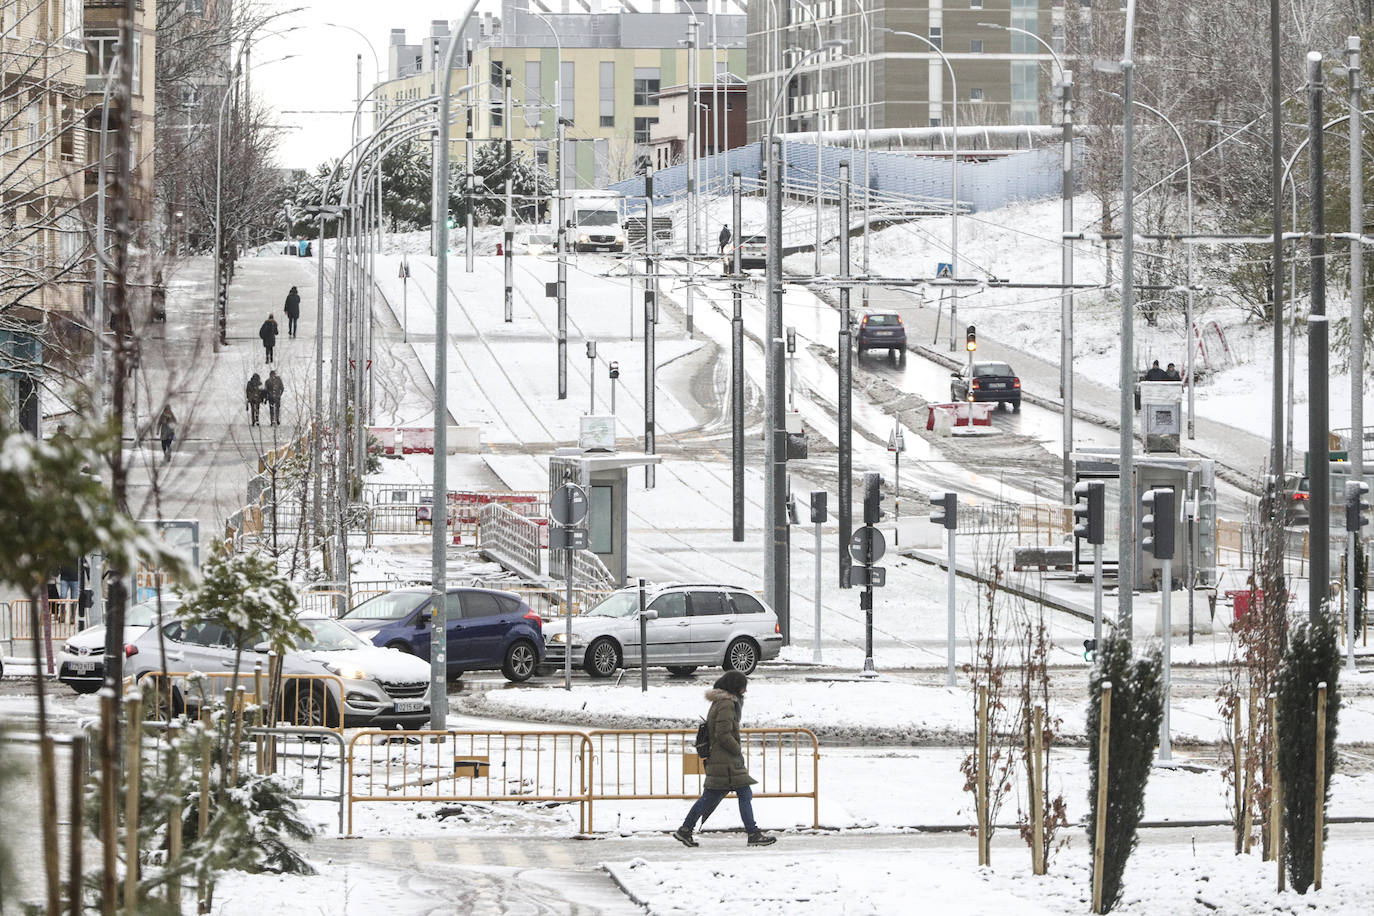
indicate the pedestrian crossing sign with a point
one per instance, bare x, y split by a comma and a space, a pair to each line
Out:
944, 271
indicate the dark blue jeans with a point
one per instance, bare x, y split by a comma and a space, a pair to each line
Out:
712, 797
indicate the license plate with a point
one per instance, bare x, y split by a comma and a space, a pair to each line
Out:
410, 705
997, 384
82, 667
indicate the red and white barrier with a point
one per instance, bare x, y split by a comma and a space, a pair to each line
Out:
961, 413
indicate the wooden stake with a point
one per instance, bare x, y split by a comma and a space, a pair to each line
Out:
1249, 819
257, 699
1276, 791
1237, 781
982, 776
1321, 788
173, 827
133, 759
77, 801
109, 785
1038, 792
203, 812
1103, 753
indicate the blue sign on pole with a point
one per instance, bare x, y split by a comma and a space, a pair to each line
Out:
944, 271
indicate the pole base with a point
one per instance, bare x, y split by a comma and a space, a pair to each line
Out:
868, 670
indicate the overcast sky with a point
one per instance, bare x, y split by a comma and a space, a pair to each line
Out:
323, 77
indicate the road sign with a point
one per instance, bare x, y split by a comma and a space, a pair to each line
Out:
405, 270
944, 271
875, 576
569, 504
867, 545
567, 538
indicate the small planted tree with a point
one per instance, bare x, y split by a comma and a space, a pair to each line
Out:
1137, 712
1312, 657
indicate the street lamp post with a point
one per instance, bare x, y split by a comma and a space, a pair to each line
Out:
561, 286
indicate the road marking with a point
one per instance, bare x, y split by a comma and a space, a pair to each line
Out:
423, 852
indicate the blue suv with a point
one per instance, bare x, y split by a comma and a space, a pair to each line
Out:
487, 629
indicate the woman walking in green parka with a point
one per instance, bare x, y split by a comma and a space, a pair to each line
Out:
725, 769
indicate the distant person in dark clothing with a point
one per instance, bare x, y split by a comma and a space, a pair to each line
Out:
293, 311
1155, 374
273, 392
724, 237
167, 430
1171, 374
253, 393
69, 582
268, 332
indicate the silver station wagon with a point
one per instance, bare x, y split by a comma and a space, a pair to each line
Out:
690, 626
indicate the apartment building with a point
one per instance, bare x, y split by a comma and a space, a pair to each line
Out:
101, 35
600, 71
876, 76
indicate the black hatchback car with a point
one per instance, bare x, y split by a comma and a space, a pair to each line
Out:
487, 629
986, 382
881, 331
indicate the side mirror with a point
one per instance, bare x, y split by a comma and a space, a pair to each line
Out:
956, 375
650, 615
425, 617
263, 648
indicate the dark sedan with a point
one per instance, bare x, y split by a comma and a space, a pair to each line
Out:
992, 382
881, 331
487, 629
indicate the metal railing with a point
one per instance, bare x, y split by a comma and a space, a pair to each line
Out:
587, 567
510, 539
640, 764
304, 757
465, 766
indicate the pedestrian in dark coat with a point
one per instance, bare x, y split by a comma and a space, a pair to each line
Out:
273, 390
293, 311
1155, 374
253, 393
167, 430
724, 237
268, 332
725, 769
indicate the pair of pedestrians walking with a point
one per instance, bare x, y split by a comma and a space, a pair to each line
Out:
270, 391
270, 330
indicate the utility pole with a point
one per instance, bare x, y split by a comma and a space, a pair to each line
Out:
650, 327
736, 363
1318, 355
562, 288
508, 258
1352, 45
1126, 569
1066, 275
692, 157
776, 574
467, 191
844, 497
1276, 455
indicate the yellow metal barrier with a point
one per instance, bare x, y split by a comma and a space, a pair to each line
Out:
328, 603
62, 611
456, 766
1042, 522
661, 764
1231, 540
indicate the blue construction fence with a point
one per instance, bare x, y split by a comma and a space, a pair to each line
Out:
985, 185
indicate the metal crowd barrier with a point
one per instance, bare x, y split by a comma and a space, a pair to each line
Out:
65, 614
568, 767
468, 766
304, 756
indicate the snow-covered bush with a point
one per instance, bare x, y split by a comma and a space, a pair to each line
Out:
1136, 715
1313, 656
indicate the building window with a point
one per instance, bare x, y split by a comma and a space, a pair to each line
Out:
975, 46
195, 7
73, 14
607, 93
568, 90
533, 93
975, 95
498, 88
1057, 39
975, 4
934, 122
642, 126
646, 85
936, 36
102, 48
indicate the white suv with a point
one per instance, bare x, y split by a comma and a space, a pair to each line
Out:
693, 625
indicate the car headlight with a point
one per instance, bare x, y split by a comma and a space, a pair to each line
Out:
560, 637
581, 238
347, 672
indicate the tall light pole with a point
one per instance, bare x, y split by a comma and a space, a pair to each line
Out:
438, 646
561, 286
1126, 570
1065, 92
777, 592
1352, 48
1318, 421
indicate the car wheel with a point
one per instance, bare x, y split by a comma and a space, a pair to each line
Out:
520, 661
310, 705
400, 647
742, 656
84, 689
603, 657
681, 670
454, 674
162, 700
1016, 405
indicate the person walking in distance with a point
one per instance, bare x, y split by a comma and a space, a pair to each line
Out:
268, 332
253, 394
725, 770
273, 390
167, 430
724, 237
293, 312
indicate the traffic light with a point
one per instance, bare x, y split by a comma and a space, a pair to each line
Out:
1355, 506
1090, 499
945, 510
1158, 523
818, 507
971, 339
1089, 649
615, 369
452, 222
873, 484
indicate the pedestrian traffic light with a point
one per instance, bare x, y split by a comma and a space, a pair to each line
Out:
1355, 506
818, 507
1089, 649
873, 484
1158, 523
945, 510
615, 369
451, 222
971, 339
1090, 498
